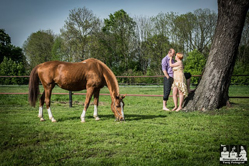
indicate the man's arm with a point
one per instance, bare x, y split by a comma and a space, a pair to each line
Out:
164, 68
166, 74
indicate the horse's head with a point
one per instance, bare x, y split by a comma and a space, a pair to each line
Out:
118, 107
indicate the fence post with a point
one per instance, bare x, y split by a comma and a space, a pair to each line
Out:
70, 99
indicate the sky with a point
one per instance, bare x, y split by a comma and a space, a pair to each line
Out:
21, 18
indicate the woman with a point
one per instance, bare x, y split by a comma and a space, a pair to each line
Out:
233, 154
179, 84
242, 153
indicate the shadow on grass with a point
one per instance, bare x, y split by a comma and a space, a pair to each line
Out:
128, 117
132, 117
89, 117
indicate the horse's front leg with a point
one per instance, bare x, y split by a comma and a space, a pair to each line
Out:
87, 101
96, 104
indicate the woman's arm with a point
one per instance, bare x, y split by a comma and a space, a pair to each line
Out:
174, 64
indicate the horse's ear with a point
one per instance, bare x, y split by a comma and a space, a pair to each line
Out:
123, 96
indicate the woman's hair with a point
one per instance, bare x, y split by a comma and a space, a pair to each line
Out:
179, 55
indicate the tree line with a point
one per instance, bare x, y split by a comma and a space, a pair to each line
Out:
128, 45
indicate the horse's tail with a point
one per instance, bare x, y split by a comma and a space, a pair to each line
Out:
33, 87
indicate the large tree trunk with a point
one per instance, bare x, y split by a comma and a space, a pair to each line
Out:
212, 91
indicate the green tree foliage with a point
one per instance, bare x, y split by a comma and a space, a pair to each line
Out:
119, 32
158, 42
131, 46
38, 47
58, 52
4, 44
4, 38
8, 50
12, 61
8, 67
241, 66
194, 64
158, 46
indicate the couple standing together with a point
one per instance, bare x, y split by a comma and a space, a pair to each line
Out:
174, 79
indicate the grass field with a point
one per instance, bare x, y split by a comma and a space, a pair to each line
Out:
149, 136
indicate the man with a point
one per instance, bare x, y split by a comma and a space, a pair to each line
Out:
224, 153
168, 79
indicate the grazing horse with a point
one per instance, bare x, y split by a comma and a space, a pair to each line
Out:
90, 74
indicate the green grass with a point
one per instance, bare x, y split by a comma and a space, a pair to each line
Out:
149, 136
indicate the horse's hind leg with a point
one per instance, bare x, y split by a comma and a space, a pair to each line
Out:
96, 104
48, 91
40, 115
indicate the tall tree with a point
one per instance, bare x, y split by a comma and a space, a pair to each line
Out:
195, 30
12, 61
212, 92
58, 50
4, 38
143, 31
161, 24
38, 47
119, 30
158, 46
158, 42
80, 24
8, 50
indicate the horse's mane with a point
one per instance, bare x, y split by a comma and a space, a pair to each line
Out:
110, 78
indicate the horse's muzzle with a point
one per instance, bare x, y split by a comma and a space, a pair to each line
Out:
120, 119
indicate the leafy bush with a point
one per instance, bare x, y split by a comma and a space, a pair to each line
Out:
240, 69
194, 64
10, 68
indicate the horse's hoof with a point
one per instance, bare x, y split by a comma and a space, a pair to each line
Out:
52, 119
97, 118
42, 119
82, 120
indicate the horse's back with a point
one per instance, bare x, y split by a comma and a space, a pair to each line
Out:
71, 76
50, 69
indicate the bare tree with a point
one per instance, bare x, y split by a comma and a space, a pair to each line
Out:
196, 30
142, 32
80, 24
212, 92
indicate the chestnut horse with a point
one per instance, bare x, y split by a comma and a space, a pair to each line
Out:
90, 74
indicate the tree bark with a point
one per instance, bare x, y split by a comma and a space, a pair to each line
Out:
212, 91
